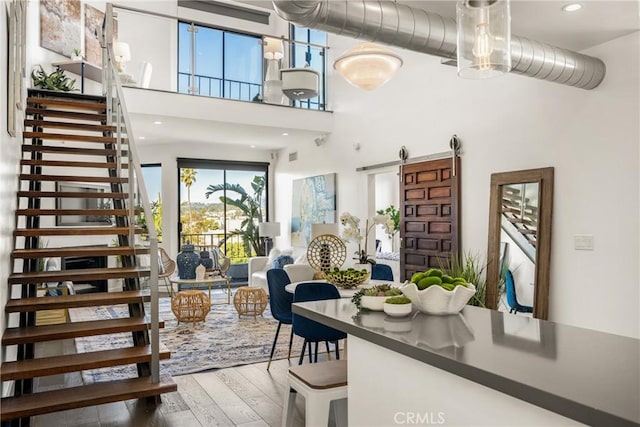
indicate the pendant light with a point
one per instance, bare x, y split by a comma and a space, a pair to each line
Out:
484, 38
368, 65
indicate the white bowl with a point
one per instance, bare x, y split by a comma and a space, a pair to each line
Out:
437, 300
373, 303
397, 310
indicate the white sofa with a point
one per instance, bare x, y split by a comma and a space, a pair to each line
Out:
258, 266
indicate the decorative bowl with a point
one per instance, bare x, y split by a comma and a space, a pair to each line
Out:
373, 303
347, 279
397, 310
437, 300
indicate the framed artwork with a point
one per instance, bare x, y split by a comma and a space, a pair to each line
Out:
314, 202
60, 25
92, 22
94, 201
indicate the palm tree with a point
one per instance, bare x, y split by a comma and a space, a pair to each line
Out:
188, 176
251, 207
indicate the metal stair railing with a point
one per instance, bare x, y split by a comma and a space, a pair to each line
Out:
118, 115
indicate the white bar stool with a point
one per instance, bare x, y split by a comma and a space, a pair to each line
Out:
319, 384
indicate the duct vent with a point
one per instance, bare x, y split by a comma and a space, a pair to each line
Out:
293, 156
225, 9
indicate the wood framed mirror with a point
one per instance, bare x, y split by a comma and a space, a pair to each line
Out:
520, 213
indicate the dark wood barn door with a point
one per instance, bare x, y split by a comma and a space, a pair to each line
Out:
429, 229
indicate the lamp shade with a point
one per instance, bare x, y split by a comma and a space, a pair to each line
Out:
320, 229
368, 65
484, 38
273, 48
300, 83
269, 229
122, 51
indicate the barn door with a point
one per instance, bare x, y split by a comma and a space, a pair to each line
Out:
430, 197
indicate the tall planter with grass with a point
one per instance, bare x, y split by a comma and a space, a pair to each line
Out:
471, 267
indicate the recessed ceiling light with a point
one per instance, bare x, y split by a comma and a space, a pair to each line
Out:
141, 137
572, 7
252, 146
157, 122
285, 134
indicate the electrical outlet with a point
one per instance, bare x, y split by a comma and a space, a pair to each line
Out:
583, 242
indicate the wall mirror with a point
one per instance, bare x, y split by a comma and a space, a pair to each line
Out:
519, 248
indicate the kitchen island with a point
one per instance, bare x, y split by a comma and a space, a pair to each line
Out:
482, 367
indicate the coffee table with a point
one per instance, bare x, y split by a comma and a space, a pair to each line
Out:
184, 284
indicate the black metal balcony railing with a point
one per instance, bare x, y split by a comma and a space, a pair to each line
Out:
232, 247
220, 88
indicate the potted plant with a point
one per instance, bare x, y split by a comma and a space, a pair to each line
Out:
76, 55
373, 298
352, 233
56, 80
399, 306
394, 215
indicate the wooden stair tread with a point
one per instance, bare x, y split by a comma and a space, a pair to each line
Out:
69, 137
32, 368
72, 178
68, 125
77, 275
65, 103
71, 164
66, 114
76, 231
87, 395
79, 251
73, 194
33, 334
70, 150
35, 92
73, 301
105, 212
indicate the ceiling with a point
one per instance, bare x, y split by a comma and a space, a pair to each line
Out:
597, 22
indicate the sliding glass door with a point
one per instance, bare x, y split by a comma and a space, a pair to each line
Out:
221, 204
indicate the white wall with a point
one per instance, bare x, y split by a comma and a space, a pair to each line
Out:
509, 123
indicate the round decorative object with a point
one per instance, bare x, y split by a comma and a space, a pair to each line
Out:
187, 261
326, 252
437, 300
190, 306
397, 310
347, 279
250, 300
206, 260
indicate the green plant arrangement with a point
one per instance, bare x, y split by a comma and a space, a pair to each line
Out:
56, 80
383, 290
470, 267
394, 215
397, 300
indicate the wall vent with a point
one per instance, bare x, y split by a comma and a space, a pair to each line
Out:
293, 156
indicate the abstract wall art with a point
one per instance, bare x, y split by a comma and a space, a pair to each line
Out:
314, 202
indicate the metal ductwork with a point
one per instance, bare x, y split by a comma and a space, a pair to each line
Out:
421, 31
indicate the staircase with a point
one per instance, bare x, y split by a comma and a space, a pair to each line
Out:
67, 140
520, 220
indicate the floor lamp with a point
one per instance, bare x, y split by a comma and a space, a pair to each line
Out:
267, 231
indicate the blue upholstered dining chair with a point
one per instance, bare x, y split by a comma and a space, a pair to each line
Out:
280, 303
512, 299
381, 272
311, 331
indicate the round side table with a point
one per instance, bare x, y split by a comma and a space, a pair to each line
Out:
250, 301
190, 306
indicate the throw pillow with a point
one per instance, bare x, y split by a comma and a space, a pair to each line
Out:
281, 261
275, 253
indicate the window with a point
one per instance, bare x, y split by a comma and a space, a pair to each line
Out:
219, 63
309, 47
152, 175
217, 220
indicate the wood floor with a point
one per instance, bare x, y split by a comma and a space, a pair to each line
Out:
241, 396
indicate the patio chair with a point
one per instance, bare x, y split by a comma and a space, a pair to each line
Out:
168, 268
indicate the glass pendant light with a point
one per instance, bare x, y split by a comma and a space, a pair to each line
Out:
484, 38
368, 65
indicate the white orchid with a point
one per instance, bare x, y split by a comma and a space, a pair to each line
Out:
352, 232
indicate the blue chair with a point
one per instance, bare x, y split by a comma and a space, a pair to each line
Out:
381, 272
311, 331
512, 300
280, 303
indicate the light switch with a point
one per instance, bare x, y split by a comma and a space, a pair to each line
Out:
583, 242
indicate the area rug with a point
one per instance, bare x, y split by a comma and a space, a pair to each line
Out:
222, 341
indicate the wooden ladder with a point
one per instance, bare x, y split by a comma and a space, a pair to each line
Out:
67, 140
